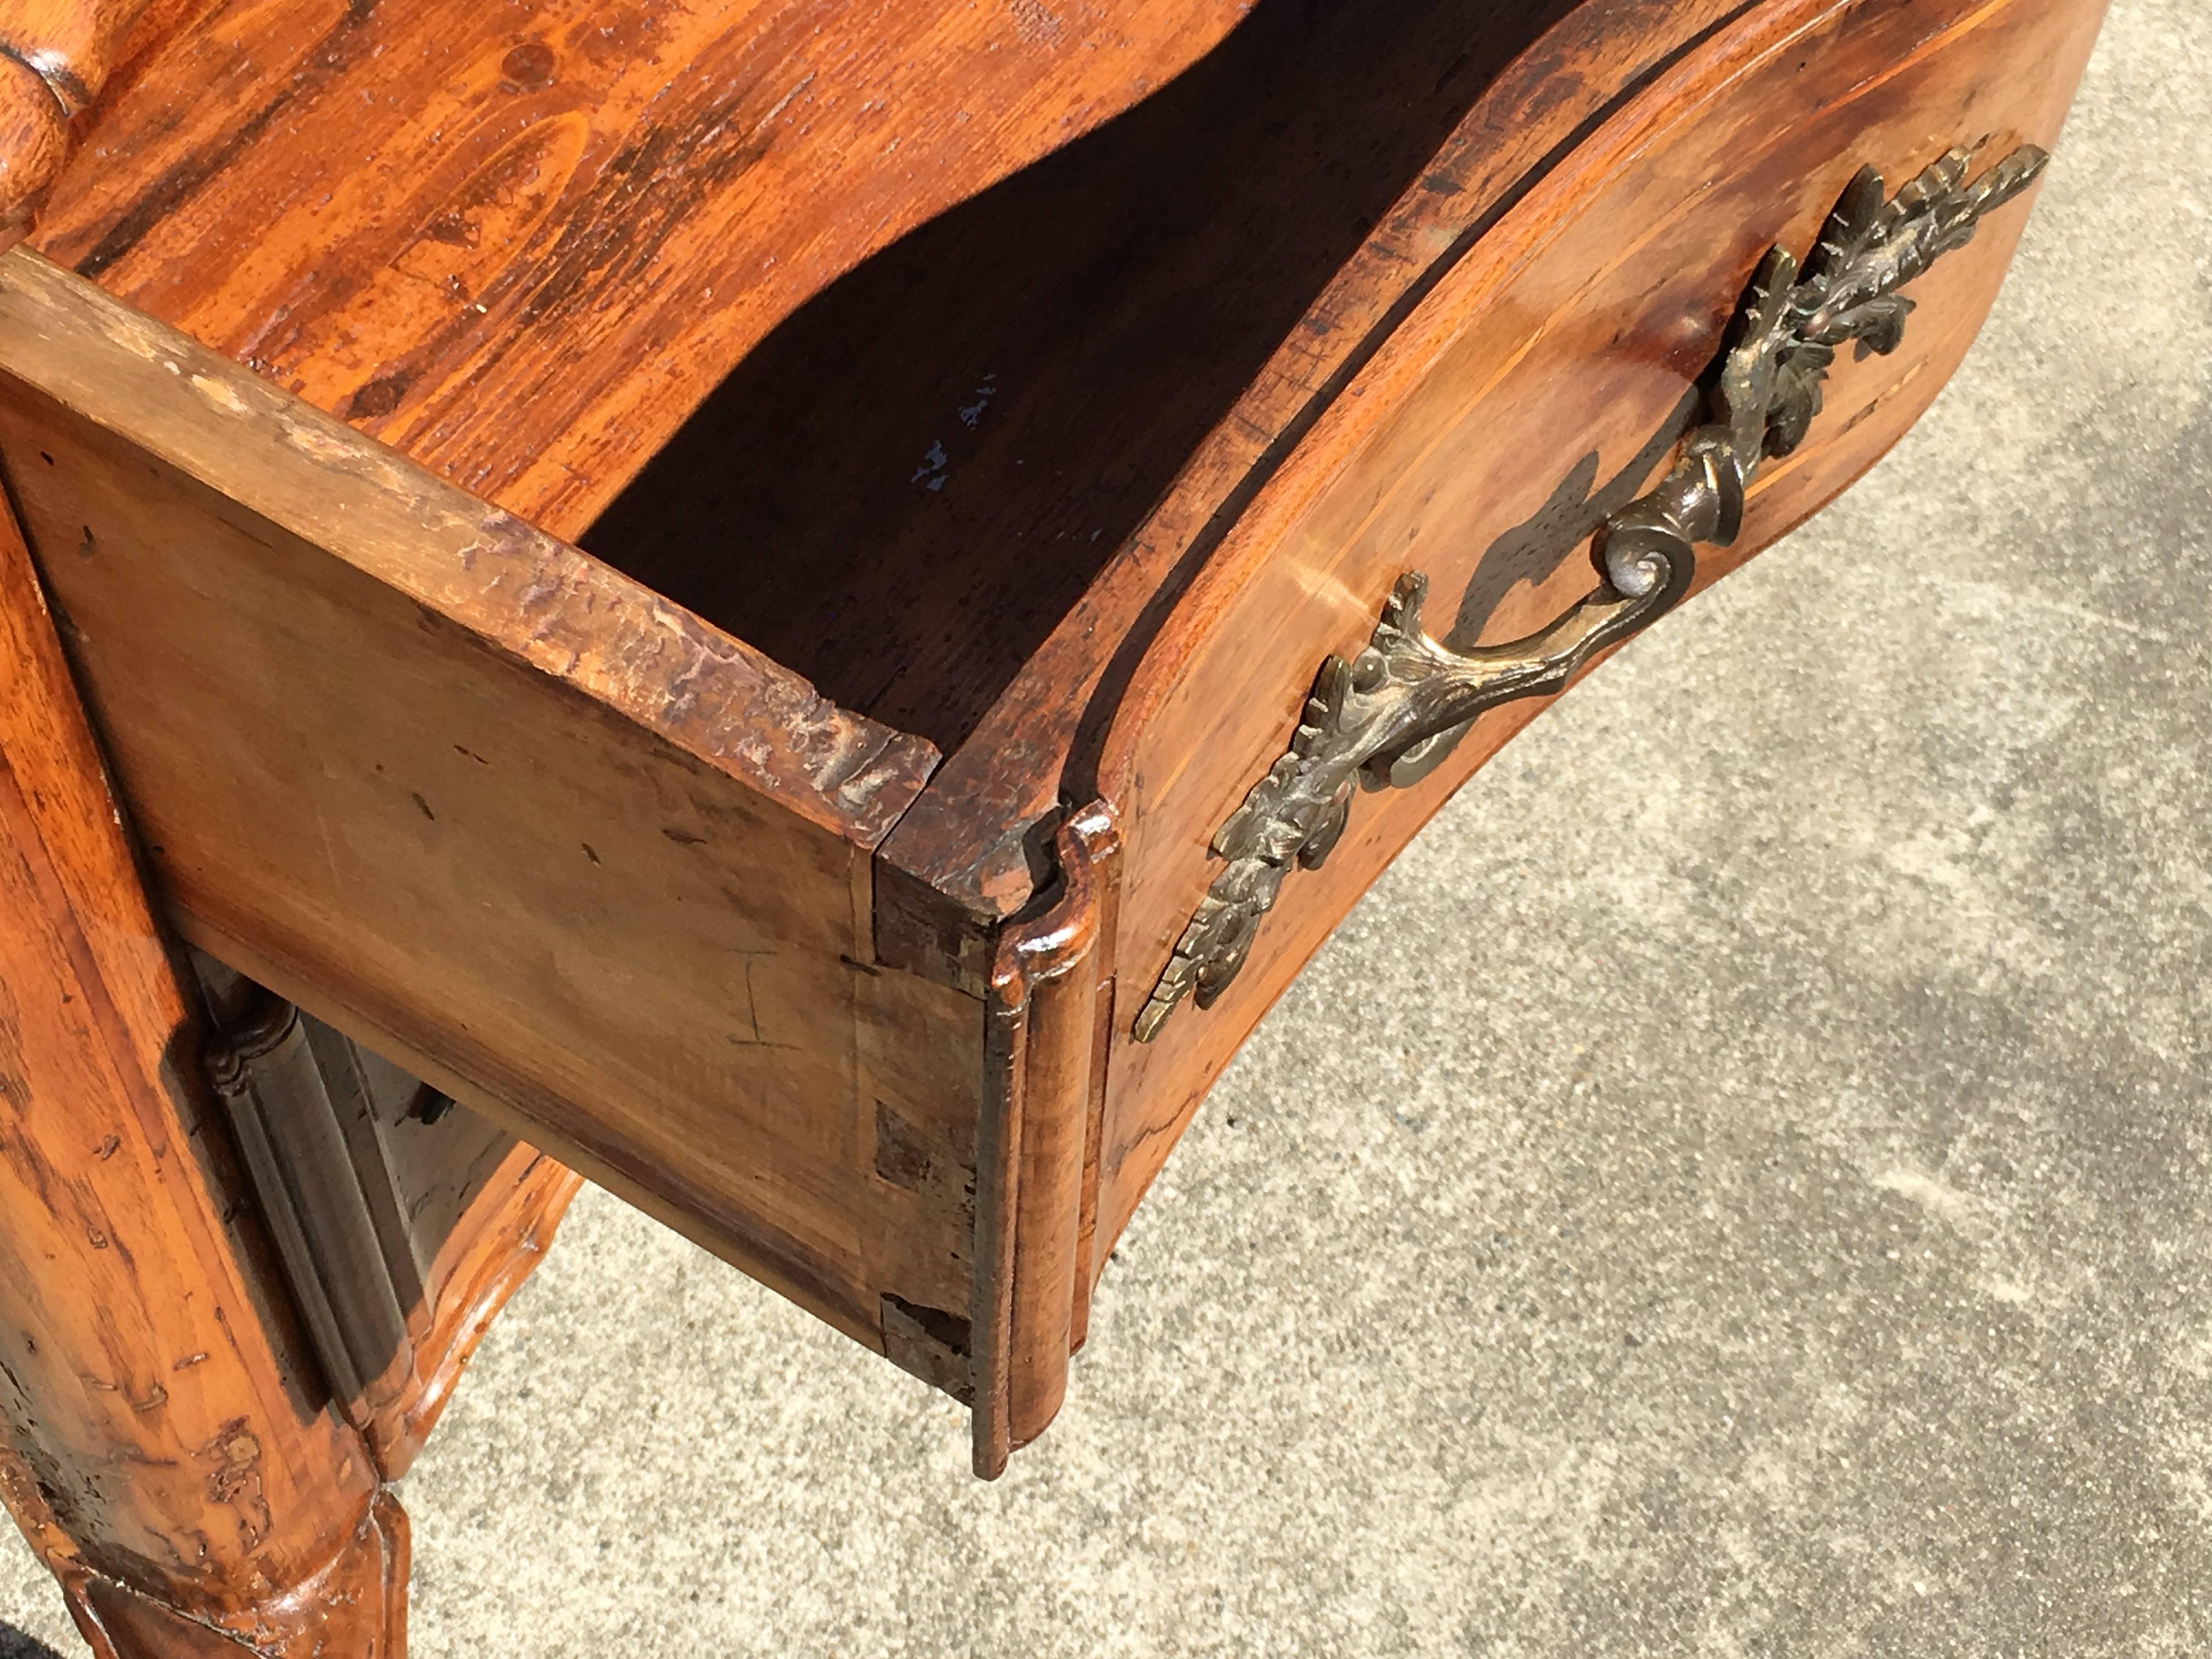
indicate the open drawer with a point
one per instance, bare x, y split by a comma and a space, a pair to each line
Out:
809, 845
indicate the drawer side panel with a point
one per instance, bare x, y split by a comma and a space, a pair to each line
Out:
640, 946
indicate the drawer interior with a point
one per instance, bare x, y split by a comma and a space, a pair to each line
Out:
911, 481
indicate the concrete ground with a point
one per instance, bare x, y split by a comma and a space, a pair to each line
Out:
1737, 1188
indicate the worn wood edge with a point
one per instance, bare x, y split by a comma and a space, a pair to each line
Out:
998, 1137
966, 848
479, 1267
1032, 1144
1089, 1260
524, 593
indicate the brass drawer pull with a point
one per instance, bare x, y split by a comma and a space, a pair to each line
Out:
1387, 718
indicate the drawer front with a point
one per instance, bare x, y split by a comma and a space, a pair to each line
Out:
1547, 383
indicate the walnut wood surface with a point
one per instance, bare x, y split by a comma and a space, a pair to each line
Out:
551, 844
519, 242
170, 1449
1074, 485
1558, 354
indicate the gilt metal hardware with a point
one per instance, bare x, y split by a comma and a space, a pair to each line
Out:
1389, 717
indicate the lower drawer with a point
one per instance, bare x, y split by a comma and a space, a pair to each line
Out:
1527, 420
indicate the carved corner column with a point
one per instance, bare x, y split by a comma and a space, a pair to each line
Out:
172, 1451
1049, 1016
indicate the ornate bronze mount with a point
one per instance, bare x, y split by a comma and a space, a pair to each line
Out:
1389, 718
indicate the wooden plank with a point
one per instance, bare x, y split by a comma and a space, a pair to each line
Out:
553, 845
1560, 353
520, 242
514, 590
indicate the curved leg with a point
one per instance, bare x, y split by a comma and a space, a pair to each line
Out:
172, 1452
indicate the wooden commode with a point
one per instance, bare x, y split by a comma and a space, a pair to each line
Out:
807, 612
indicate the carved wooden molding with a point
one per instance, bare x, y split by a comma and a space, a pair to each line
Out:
1049, 1016
403, 1220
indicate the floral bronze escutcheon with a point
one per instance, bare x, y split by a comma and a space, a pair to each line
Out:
1389, 718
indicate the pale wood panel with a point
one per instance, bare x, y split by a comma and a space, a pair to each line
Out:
1574, 329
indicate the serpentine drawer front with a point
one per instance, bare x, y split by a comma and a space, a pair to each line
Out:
829, 696
1616, 397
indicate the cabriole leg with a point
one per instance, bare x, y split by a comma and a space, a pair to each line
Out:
171, 1452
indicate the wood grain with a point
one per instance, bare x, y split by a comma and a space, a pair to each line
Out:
932, 460
553, 845
1560, 353
171, 1451
1074, 484
33, 143
520, 241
